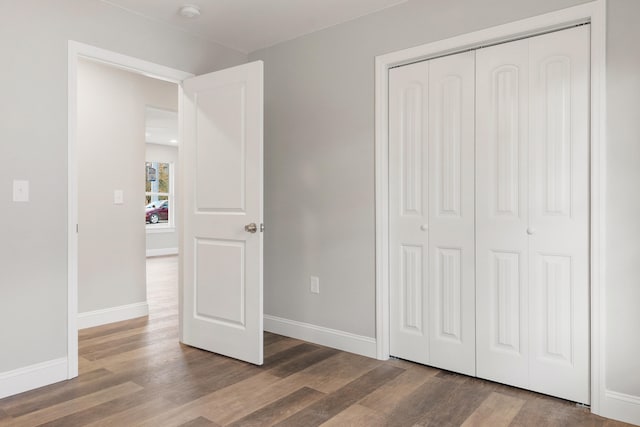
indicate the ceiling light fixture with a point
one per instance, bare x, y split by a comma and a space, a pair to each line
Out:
189, 11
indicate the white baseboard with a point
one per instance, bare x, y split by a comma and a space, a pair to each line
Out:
345, 341
162, 252
90, 319
32, 376
621, 407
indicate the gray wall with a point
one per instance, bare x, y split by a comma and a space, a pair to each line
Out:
623, 198
159, 239
319, 148
111, 154
33, 130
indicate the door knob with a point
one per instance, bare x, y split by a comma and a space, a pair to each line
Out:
530, 231
424, 227
251, 228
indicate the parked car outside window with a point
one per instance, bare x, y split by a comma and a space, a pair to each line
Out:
157, 211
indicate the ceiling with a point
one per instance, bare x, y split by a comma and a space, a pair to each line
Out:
249, 25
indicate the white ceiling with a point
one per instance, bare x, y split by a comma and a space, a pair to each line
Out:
249, 25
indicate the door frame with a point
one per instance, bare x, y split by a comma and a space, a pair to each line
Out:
593, 13
78, 50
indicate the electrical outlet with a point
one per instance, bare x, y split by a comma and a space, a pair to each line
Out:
314, 285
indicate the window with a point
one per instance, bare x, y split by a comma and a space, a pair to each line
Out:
159, 195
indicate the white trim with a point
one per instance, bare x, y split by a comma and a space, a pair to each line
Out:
341, 340
89, 319
32, 376
75, 51
593, 12
623, 407
160, 229
162, 252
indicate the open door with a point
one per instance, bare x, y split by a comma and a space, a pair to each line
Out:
222, 193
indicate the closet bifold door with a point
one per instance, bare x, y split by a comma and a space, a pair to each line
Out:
431, 211
532, 218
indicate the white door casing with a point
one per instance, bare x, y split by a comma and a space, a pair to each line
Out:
431, 165
222, 183
532, 221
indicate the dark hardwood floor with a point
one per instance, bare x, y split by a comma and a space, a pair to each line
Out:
135, 373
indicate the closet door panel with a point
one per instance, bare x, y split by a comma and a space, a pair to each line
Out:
451, 213
502, 108
559, 226
408, 212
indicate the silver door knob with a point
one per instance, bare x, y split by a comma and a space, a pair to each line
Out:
424, 227
251, 228
530, 231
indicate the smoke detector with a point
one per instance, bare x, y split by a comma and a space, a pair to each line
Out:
190, 11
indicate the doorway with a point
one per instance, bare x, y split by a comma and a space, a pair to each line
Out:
118, 197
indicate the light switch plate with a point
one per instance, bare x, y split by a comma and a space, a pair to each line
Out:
20, 190
118, 197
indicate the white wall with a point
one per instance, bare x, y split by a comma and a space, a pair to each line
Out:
623, 200
162, 239
33, 128
111, 154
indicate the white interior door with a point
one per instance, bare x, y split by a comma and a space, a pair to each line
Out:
431, 193
532, 213
222, 183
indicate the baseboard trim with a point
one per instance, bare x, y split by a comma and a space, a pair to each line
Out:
32, 376
162, 252
341, 340
90, 319
621, 407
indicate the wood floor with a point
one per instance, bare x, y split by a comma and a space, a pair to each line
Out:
135, 373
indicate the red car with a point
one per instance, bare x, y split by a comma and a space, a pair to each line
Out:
157, 211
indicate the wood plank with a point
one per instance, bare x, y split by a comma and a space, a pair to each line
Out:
334, 403
200, 422
497, 410
356, 416
135, 415
297, 364
333, 372
280, 409
68, 407
386, 398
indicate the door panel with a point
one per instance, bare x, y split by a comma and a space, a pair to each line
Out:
408, 212
502, 136
536, 133
222, 186
559, 242
451, 212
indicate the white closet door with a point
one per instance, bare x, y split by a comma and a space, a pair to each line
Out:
559, 224
408, 212
502, 135
431, 191
532, 213
451, 213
